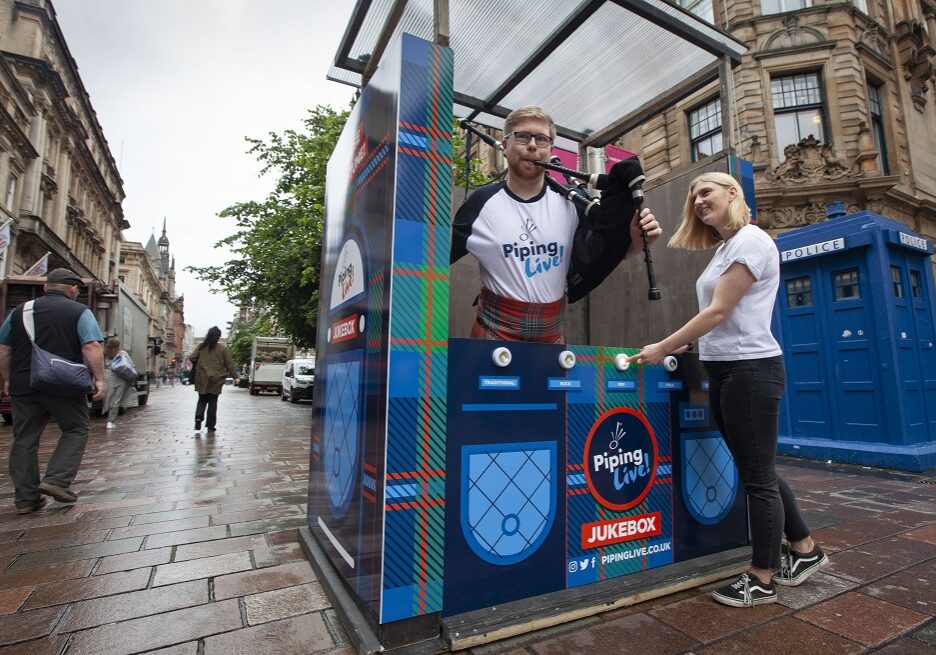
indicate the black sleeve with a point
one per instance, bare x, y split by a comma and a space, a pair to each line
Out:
603, 237
466, 216
599, 245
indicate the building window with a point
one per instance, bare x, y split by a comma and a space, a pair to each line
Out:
705, 134
797, 105
897, 281
877, 126
846, 284
916, 288
861, 5
798, 292
701, 8
779, 6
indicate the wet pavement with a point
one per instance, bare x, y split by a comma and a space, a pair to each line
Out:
187, 545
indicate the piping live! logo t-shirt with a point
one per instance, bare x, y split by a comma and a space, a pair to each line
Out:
524, 247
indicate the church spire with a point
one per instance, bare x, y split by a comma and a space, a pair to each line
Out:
163, 244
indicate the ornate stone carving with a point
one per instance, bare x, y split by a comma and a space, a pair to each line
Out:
793, 35
811, 161
756, 153
799, 215
916, 55
875, 40
784, 217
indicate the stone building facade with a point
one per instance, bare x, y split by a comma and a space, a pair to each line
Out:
149, 272
835, 101
59, 184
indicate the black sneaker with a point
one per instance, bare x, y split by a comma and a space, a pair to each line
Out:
746, 591
198, 424
796, 567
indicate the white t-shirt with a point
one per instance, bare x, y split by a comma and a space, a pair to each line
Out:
524, 246
745, 333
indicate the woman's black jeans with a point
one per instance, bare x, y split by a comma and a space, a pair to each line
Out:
745, 400
211, 400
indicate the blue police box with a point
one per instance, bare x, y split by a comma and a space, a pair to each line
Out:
855, 316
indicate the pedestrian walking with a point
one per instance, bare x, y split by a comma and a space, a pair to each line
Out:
118, 388
67, 330
736, 294
212, 363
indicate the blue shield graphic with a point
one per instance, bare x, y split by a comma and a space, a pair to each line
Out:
508, 499
710, 479
340, 429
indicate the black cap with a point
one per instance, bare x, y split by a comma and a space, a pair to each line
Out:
63, 276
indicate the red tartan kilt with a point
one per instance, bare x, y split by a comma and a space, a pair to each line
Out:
514, 320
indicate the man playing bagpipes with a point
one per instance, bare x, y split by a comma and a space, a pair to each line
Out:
533, 242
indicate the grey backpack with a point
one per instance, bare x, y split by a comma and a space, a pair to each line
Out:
50, 373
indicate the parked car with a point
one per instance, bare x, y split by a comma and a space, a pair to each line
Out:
298, 380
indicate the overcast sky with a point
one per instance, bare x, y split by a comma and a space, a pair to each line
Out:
177, 85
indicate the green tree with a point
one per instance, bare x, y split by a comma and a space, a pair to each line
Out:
476, 177
277, 243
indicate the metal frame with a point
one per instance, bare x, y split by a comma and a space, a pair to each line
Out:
727, 58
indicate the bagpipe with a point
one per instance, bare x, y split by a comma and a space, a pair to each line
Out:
598, 251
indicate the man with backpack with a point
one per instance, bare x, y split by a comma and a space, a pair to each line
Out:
66, 333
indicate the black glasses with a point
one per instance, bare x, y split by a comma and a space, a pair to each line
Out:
523, 138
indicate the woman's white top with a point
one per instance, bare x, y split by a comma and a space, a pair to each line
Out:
745, 333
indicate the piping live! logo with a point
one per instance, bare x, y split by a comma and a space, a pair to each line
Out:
620, 468
625, 467
536, 258
346, 280
620, 459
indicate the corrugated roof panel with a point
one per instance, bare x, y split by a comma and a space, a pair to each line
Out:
619, 58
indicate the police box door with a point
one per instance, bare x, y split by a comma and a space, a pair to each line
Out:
830, 349
806, 355
913, 338
846, 290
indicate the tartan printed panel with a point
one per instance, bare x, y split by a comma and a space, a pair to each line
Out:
419, 286
597, 365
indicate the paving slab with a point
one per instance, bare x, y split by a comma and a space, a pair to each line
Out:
861, 618
201, 555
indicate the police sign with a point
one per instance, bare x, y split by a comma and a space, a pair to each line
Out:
812, 250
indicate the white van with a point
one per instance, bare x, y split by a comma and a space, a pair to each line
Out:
298, 379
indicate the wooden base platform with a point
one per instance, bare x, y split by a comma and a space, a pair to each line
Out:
511, 619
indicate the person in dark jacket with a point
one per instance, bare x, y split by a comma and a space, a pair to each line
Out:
68, 329
212, 362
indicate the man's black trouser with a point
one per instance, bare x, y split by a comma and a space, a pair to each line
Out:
31, 414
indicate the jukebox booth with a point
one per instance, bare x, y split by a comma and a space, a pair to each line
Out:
465, 490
